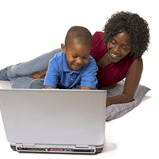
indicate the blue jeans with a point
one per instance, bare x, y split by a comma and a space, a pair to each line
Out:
19, 74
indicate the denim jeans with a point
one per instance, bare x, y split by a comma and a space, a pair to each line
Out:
19, 74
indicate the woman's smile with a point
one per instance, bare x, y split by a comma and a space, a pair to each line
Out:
113, 55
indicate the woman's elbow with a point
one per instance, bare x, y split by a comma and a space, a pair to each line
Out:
129, 97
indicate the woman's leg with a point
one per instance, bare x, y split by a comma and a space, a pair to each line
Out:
26, 68
21, 82
37, 84
18, 74
16, 82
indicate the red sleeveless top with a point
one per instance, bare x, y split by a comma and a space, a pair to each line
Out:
113, 72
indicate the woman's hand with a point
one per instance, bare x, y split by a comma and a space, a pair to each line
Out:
108, 102
37, 75
131, 83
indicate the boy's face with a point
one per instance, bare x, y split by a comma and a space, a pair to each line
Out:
77, 55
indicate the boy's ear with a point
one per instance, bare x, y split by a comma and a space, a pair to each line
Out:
63, 47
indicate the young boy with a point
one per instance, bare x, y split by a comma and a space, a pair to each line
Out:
73, 66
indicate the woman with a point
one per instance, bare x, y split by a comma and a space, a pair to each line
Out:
117, 50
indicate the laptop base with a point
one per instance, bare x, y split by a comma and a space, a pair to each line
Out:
90, 150
54, 121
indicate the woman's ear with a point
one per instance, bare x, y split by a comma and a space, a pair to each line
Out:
63, 47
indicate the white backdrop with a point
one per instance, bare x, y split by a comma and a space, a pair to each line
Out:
29, 28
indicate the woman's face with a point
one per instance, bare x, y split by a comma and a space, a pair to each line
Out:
119, 47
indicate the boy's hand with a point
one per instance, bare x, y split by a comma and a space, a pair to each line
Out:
48, 87
86, 88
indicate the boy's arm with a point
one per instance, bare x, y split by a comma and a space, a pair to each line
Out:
89, 80
51, 78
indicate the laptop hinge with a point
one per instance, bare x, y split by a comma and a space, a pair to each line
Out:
19, 145
85, 148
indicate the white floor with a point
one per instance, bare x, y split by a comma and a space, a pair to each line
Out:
133, 136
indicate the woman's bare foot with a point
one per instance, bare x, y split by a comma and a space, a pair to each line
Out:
3, 74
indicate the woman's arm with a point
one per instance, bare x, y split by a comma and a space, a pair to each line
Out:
40, 74
131, 83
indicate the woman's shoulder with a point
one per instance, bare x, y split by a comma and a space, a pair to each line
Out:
137, 64
137, 61
98, 38
98, 35
99, 47
130, 64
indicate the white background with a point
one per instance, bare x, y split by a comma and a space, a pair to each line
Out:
29, 28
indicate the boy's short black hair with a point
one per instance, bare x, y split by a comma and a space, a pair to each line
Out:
80, 33
134, 25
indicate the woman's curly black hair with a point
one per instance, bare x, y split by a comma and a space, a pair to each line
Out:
134, 25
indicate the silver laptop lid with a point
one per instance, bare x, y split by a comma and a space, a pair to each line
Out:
54, 116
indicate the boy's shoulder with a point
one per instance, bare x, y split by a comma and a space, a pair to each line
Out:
57, 61
91, 64
91, 59
57, 57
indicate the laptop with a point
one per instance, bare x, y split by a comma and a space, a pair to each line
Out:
54, 120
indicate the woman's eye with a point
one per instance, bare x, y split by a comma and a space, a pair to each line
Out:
113, 42
124, 47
